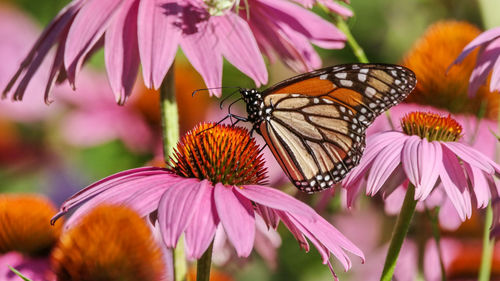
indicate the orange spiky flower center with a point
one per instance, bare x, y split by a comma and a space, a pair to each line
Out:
24, 225
219, 153
110, 243
431, 126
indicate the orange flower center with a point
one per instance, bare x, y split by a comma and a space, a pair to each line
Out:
219, 153
24, 224
431, 126
110, 243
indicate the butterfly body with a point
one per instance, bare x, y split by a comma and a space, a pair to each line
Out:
315, 123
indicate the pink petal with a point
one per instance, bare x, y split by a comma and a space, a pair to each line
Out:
485, 61
237, 216
495, 76
448, 216
479, 184
470, 155
121, 51
480, 40
87, 28
297, 233
268, 215
266, 242
383, 165
276, 199
177, 207
200, 232
421, 162
208, 64
336, 8
239, 47
455, 184
159, 35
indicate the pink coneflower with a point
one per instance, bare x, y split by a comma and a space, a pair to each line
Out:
150, 32
215, 180
427, 155
488, 60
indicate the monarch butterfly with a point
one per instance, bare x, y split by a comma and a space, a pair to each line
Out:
315, 123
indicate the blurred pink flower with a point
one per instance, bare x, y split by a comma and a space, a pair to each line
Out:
19, 32
487, 60
149, 32
36, 269
393, 157
94, 118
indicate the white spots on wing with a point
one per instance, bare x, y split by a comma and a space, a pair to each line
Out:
394, 73
316, 100
342, 109
341, 75
397, 81
295, 95
372, 105
370, 92
362, 77
327, 101
346, 83
323, 76
364, 70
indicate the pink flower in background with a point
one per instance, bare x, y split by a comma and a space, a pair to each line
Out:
150, 32
93, 117
35, 268
488, 59
426, 152
19, 32
200, 194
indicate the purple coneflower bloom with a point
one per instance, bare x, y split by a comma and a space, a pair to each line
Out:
215, 180
427, 155
149, 33
488, 59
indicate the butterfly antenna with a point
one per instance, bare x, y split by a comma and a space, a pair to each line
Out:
215, 88
226, 98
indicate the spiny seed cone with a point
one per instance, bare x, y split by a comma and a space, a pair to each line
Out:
24, 224
431, 126
110, 243
219, 153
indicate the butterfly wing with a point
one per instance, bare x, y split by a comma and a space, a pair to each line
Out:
316, 129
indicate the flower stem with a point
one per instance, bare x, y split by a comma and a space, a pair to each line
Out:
488, 247
356, 48
170, 136
169, 114
399, 234
203, 265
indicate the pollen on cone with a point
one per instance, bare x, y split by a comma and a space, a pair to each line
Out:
219, 153
110, 243
24, 224
446, 88
431, 126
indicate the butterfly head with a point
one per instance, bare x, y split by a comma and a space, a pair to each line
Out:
255, 105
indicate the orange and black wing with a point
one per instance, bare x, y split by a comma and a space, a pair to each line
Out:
317, 127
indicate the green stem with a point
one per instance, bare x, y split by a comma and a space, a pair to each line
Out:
399, 234
437, 238
170, 136
204, 264
488, 247
356, 48
169, 114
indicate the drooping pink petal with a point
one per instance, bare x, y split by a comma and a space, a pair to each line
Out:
396, 179
384, 164
237, 216
276, 199
478, 41
266, 242
121, 50
421, 164
200, 232
485, 61
208, 64
448, 216
40, 50
158, 34
495, 76
239, 47
87, 28
268, 215
177, 207
336, 8
480, 185
455, 184
470, 156
128, 176
296, 232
